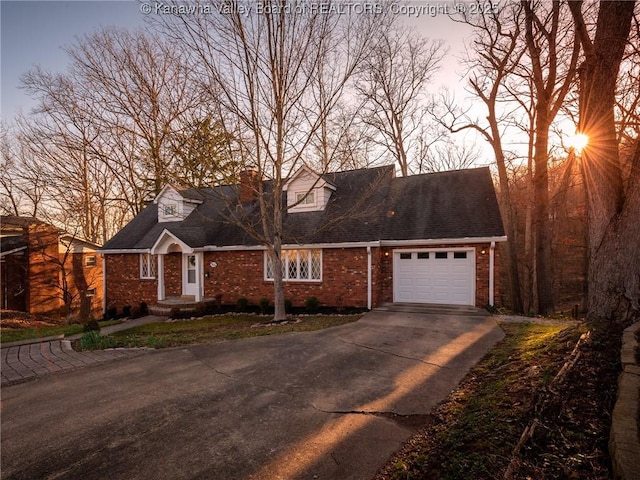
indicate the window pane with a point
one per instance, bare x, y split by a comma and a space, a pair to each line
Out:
292, 268
269, 272
304, 264
459, 254
316, 265
423, 255
405, 256
152, 265
441, 254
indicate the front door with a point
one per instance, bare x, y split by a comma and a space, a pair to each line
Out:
190, 284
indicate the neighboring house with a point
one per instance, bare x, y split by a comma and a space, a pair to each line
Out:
357, 238
46, 271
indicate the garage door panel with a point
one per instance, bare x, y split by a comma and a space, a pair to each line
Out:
435, 277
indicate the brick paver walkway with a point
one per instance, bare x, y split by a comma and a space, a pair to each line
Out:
24, 362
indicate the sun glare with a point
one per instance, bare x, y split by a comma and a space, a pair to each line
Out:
578, 142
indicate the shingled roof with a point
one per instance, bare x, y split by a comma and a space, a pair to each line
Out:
367, 205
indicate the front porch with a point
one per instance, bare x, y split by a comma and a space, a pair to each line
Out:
184, 304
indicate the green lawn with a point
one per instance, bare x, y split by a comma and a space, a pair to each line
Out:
213, 329
472, 434
17, 334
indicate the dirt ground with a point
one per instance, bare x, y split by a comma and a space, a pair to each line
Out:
18, 320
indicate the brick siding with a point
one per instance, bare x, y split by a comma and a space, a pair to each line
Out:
123, 283
241, 274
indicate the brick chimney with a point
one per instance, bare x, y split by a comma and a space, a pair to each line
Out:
249, 185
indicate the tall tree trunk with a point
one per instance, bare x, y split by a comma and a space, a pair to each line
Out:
614, 230
544, 275
506, 206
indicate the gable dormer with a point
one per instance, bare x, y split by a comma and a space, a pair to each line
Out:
175, 203
307, 191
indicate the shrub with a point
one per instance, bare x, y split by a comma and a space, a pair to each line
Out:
264, 305
126, 311
242, 304
144, 308
174, 313
312, 304
91, 326
112, 313
288, 305
93, 341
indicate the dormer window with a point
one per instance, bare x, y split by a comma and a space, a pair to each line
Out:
307, 191
306, 198
170, 210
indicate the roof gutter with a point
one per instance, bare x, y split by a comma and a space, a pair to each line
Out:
442, 241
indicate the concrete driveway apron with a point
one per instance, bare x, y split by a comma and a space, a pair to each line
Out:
332, 404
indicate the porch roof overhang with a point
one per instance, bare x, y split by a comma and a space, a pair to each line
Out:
13, 251
165, 241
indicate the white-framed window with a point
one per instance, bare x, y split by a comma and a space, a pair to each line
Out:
90, 261
297, 265
306, 198
170, 210
91, 292
147, 265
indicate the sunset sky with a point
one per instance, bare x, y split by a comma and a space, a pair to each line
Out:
35, 33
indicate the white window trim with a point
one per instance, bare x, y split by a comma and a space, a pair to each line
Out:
149, 260
308, 198
302, 280
94, 263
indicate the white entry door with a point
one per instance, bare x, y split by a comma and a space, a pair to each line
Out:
434, 276
190, 277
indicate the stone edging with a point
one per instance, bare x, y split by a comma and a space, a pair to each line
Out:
624, 438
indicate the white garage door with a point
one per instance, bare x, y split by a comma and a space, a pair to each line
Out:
434, 276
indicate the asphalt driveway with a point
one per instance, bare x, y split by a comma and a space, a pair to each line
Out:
332, 404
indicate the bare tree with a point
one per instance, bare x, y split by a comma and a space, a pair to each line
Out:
498, 53
65, 145
448, 155
612, 209
23, 180
393, 82
264, 68
553, 52
138, 85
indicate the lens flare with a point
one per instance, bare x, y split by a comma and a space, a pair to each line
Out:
578, 142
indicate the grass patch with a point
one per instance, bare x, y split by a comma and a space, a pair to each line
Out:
218, 328
19, 334
472, 433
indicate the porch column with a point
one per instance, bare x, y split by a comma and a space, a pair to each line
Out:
369, 277
199, 276
160, 275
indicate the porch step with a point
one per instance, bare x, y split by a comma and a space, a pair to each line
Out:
185, 303
160, 311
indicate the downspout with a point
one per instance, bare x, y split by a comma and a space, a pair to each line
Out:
104, 284
369, 277
491, 273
